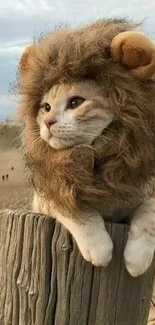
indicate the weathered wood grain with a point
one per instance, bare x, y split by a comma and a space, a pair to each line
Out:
45, 281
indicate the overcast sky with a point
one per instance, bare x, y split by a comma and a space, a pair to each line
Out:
21, 20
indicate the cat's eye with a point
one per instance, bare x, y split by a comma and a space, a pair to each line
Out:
75, 102
47, 107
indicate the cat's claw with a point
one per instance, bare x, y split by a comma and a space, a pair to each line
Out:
138, 255
97, 248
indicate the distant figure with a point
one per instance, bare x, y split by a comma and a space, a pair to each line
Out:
12, 168
7, 176
3, 178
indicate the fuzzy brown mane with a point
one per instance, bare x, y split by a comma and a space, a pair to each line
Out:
120, 163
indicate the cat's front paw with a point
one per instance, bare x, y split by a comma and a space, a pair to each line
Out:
97, 248
138, 255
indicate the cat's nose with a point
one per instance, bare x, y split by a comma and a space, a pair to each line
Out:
49, 123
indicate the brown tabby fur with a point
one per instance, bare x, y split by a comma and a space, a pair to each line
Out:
119, 164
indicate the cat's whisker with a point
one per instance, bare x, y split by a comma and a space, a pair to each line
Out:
15, 146
90, 135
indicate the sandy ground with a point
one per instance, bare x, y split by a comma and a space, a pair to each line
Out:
15, 193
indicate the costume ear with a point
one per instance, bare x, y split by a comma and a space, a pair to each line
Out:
136, 51
26, 57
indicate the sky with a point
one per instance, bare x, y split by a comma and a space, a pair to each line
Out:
22, 20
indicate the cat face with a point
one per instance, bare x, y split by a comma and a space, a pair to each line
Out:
73, 114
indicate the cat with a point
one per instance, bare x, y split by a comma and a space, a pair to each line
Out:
70, 115
89, 138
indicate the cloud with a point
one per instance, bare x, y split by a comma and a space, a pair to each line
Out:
23, 18
15, 48
8, 106
8, 69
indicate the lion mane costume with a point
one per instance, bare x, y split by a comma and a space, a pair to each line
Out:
119, 167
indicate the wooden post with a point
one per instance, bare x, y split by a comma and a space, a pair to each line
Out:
45, 281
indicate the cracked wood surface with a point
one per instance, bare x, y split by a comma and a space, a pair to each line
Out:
45, 281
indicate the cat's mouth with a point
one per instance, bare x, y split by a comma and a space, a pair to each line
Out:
56, 136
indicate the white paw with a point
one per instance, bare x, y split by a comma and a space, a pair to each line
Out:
138, 255
97, 247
